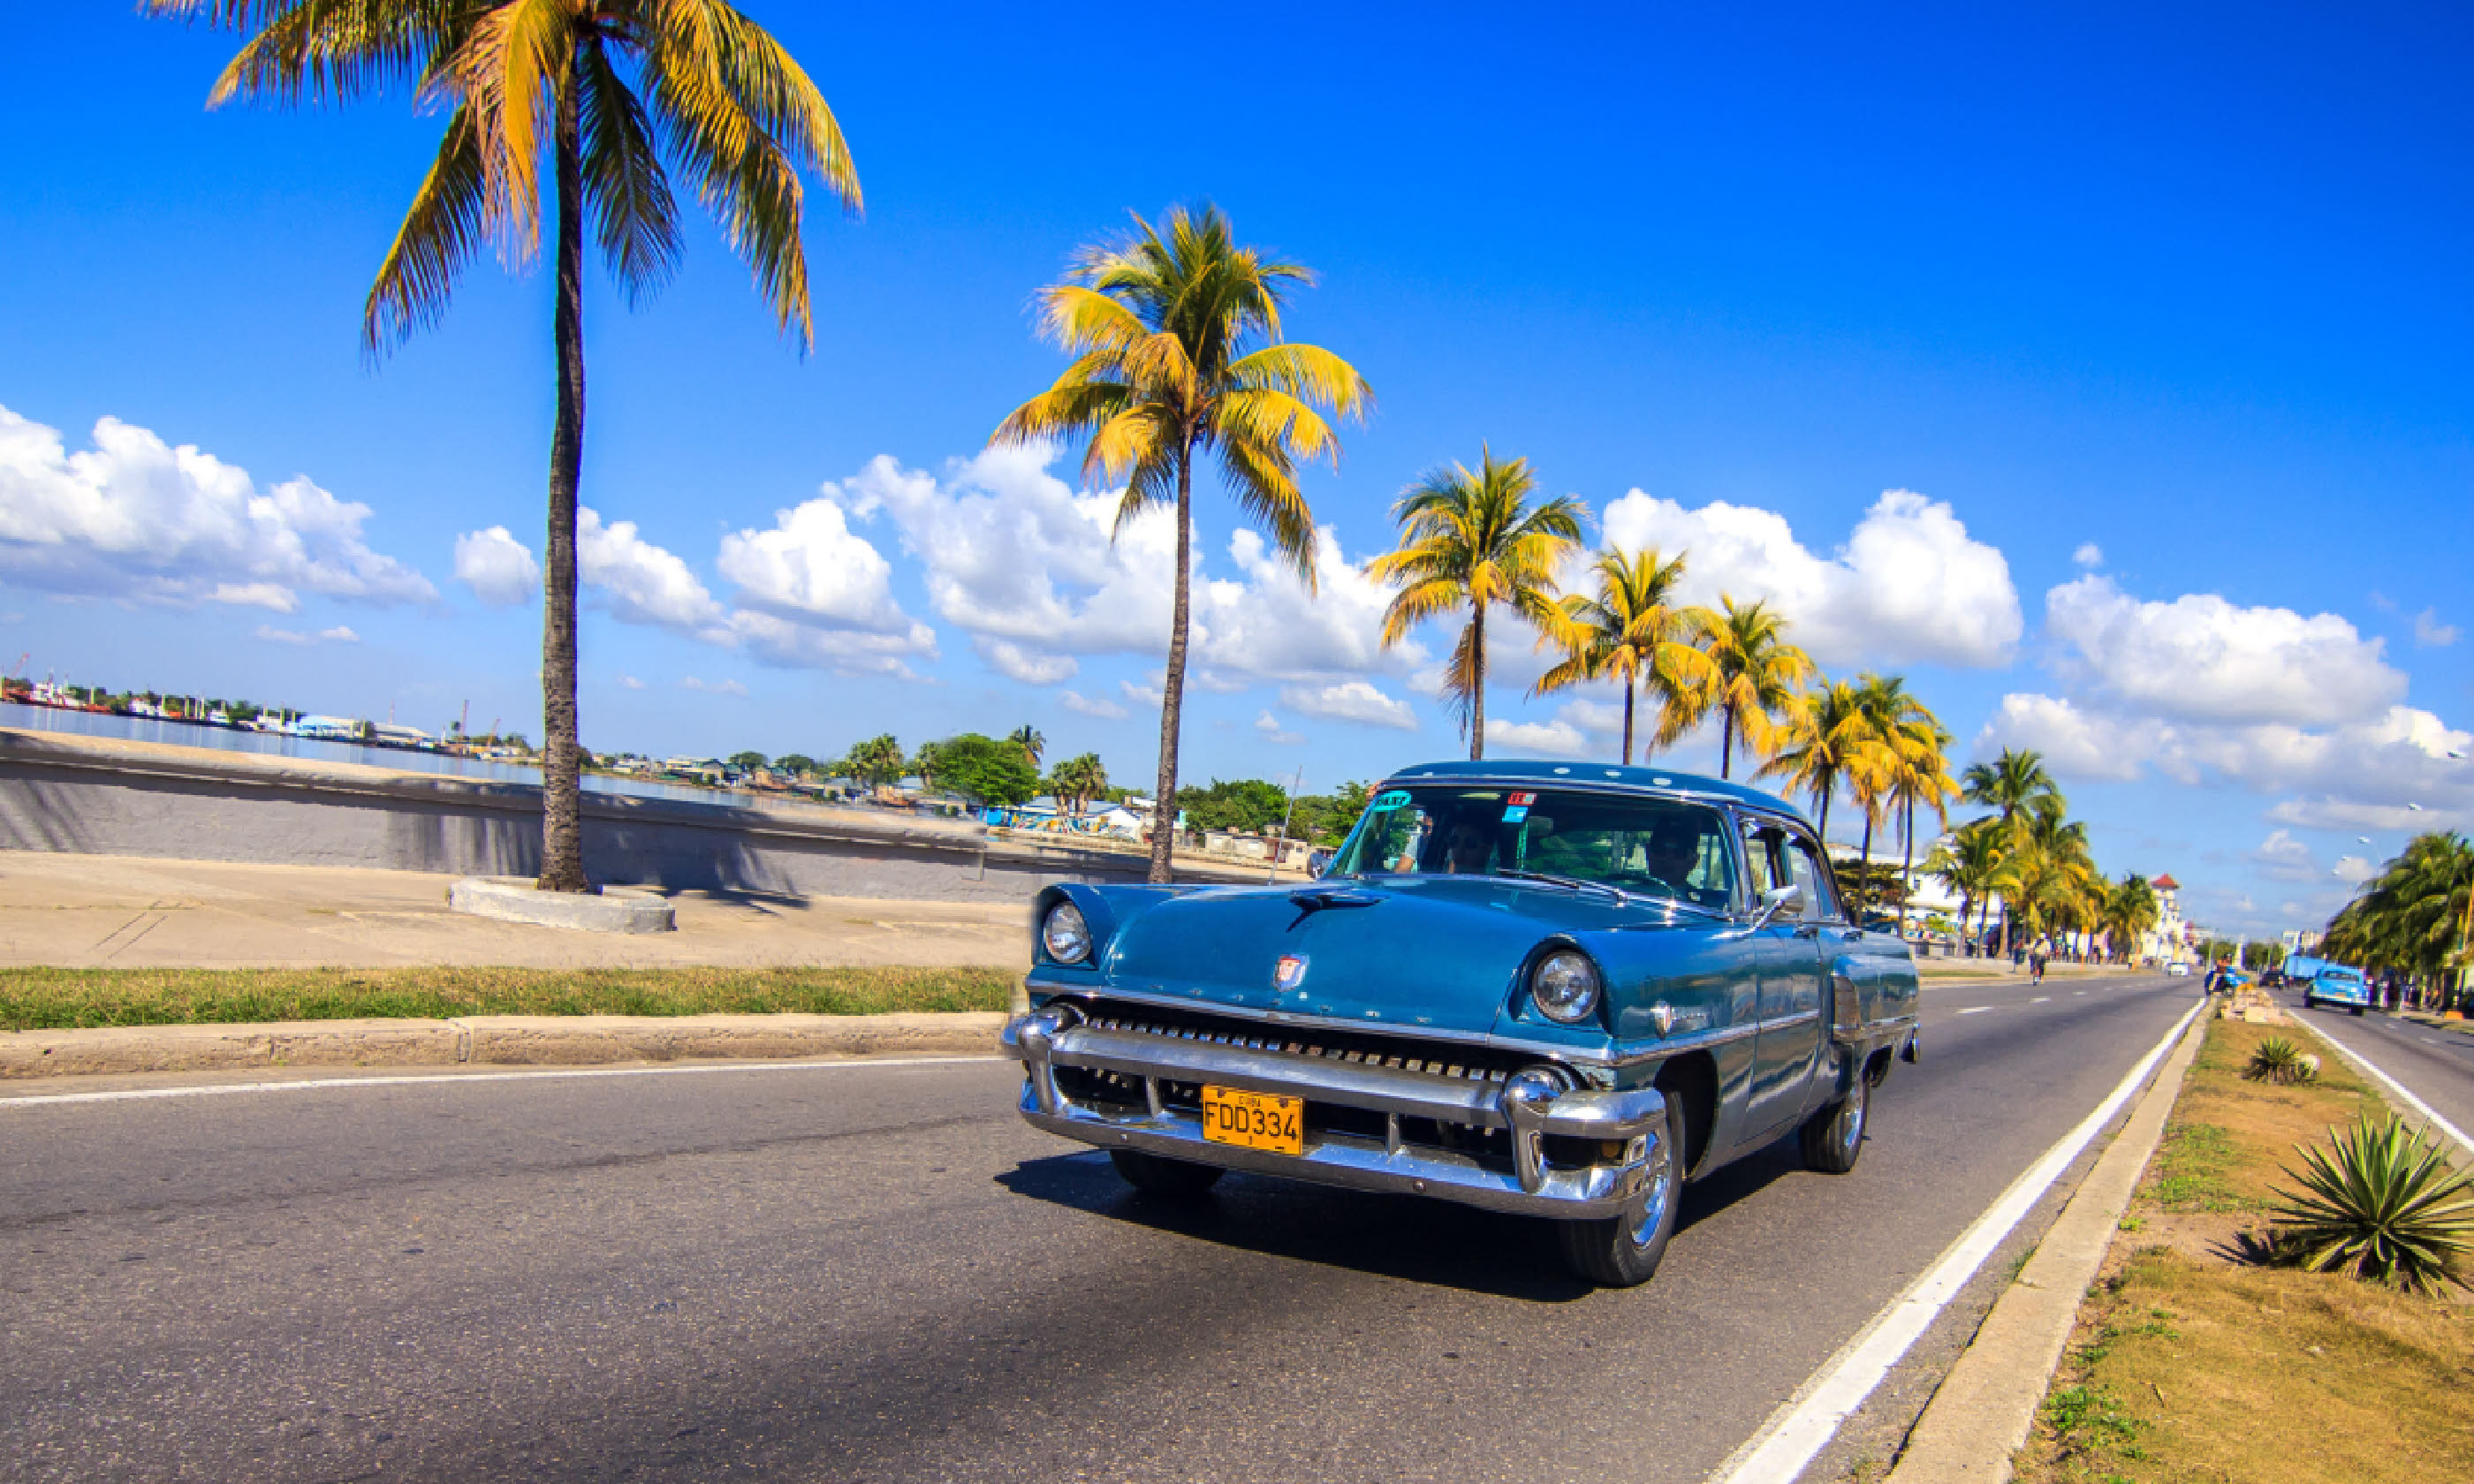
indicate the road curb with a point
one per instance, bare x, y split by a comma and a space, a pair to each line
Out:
502, 1041
1981, 1412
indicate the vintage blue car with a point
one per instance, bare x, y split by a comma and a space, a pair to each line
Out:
1557, 988
2336, 984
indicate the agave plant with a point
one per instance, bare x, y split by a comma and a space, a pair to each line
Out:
2280, 1061
2378, 1202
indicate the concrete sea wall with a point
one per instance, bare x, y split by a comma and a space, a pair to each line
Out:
109, 798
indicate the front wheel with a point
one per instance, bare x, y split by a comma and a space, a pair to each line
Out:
2308, 1003
1155, 1175
1623, 1251
1835, 1136
2357, 1010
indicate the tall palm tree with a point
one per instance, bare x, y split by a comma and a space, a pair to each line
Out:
1077, 781
1920, 778
2129, 910
1824, 740
1174, 332
1471, 540
2417, 914
1752, 676
1972, 865
2015, 786
1631, 632
604, 92
1027, 738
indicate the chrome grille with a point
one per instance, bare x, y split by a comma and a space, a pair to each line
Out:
1461, 1062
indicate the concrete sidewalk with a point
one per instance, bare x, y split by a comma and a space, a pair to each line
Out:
133, 912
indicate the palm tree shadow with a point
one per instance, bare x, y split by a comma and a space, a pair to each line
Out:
1407, 1237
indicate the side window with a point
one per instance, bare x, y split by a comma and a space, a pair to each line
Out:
1820, 893
1762, 858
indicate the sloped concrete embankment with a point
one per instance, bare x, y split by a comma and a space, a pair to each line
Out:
92, 795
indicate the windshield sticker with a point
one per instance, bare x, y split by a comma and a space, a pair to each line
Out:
1516, 813
1390, 799
1522, 801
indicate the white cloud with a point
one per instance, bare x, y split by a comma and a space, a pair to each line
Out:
2077, 744
1149, 696
499, 569
2353, 869
2430, 633
630, 682
641, 582
2363, 774
813, 570
1909, 586
338, 634
806, 595
2282, 857
2201, 659
2089, 555
1351, 700
1547, 738
1014, 663
1268, 727
712, 688
1015, 556
134, 518
1100, 706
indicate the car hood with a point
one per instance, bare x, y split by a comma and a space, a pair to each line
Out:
1429, 951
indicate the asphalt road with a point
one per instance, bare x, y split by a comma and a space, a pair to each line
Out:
876, 1272
2435, 1066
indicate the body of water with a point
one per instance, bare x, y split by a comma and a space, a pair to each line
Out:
139, 728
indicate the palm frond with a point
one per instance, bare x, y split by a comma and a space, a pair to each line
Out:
448, 222
636, 219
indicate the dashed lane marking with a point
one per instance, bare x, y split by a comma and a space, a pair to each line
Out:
1977, 1010
2042, 999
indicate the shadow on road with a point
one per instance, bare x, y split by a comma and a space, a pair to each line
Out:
1406, 1237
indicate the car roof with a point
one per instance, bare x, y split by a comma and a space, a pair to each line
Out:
1594, 775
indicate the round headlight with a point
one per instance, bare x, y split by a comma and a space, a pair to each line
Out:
1065, 934
1564, 984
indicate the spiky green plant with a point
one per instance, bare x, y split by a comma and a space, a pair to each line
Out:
2380, 1203
2279, 1061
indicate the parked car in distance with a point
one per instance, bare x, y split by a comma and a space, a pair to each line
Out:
1557, 990
2178, 969
2336, 984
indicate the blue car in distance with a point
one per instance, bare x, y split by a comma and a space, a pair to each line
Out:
2336, 984
1558, 990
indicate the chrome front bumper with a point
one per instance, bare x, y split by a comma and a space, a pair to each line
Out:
1526, 1108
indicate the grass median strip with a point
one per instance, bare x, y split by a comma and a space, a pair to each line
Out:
74, 998
2195, 1360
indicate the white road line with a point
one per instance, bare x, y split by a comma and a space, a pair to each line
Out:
2080, 993
2397, 1090
1806, 1422
445, 1078
1977, 1010
2041, 999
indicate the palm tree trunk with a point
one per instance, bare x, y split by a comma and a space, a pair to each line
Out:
1727, 758
562, 862
1865, 861
1906, 863
1173, 684
1627, 752
1477, 683
1825, 792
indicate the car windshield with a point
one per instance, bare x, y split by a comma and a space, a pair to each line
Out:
1659, 847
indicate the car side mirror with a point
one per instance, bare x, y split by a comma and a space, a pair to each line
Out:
1779, 902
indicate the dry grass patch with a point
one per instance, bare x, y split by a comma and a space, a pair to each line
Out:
2190, 1364
2202, 1372
69, 998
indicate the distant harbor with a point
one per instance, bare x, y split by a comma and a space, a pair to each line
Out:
200, 733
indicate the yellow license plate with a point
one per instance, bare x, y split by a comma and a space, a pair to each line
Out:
1254, 1121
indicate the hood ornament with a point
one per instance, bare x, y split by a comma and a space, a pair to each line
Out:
1290, 972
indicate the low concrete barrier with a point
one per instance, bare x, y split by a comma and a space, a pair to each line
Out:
93, 796
507, 1041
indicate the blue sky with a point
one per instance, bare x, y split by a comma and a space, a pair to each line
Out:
2186, 286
